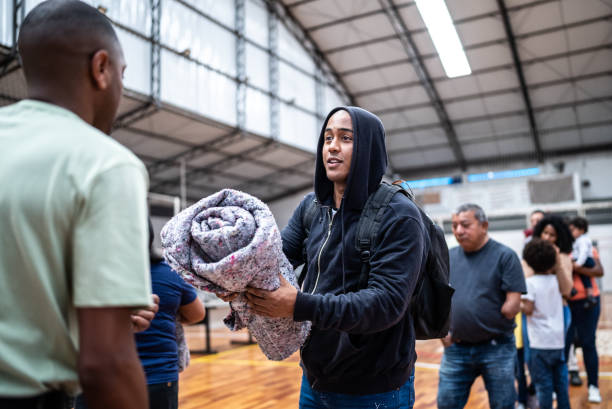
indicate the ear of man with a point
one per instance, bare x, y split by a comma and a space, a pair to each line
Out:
100, 71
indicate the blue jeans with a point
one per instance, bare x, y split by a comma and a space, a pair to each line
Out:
584, 324
462, 364
549, 374
400, 398
521, 379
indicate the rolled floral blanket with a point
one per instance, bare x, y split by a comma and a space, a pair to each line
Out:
226, 242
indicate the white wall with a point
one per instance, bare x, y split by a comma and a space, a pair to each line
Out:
283, 209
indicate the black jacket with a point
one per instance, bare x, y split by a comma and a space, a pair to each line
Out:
362, 339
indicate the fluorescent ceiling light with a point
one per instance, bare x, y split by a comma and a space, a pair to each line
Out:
444, 36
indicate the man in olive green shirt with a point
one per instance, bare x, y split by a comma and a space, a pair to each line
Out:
73, 248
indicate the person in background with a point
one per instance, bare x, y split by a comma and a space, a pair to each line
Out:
582, 255
534, 219
73, 249
488, 282
157, 346
543, 306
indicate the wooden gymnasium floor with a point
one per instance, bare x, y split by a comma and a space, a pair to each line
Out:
240, 377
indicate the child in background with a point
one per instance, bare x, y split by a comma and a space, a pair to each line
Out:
582, 254
543, 306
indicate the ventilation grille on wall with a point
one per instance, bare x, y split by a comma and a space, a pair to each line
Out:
557, 190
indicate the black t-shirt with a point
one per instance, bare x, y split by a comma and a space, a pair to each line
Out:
481, 280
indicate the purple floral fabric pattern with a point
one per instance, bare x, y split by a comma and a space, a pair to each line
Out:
226, 242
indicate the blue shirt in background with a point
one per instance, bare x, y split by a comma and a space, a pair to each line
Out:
157, 345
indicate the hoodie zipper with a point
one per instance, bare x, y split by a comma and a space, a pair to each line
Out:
322, 247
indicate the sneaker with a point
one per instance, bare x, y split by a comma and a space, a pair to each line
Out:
594, 395
575, 378
520, 406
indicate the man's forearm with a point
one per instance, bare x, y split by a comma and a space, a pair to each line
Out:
118, 383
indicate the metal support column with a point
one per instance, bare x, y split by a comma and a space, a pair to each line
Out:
239, 20
150, 107
155, 52
183, 182
422, 72
11, 61
521, 77
320, 94
273, 76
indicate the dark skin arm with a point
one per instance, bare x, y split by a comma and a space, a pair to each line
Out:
192, 312
109, 369
527, 307
512, 305
277, 304
596, 271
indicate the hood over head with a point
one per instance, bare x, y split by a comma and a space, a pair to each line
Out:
368, 164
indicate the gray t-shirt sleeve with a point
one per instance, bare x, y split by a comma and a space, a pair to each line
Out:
513, 279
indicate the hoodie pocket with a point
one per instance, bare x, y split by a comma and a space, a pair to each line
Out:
331, 355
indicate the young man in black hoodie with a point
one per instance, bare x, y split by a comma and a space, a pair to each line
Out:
360, 352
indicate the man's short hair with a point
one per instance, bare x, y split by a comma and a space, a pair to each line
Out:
55, 23
580, 223
540, 255
479, 213
538, 211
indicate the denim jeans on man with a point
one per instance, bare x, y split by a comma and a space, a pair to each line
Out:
549, 375
463, 363
400, 398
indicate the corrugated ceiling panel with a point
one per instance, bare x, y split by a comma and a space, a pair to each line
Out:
509, 102
366, 56
597, 135
589, 35
423, 43
428, 137
249, 169
500, 79
581, 10
409, 160
393, 99
346, 34
490, 56
456, 87
560, 140
412, 17
324, 11
400, 142
473, 130
206, 159
485, 29
412, 117
481, 150
601, 111
592, 62
466, 109
439, 155
549, 70
507, 124
544, 96
282, 157
374, 79
516, 144
460, 9
240, 145
545, 44
535, 18
555, 118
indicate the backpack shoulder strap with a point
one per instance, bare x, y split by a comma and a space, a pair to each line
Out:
369, 224
308, 215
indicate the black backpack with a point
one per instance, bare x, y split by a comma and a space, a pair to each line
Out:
431, 301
